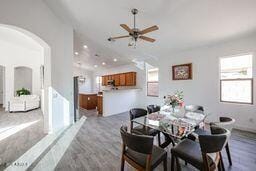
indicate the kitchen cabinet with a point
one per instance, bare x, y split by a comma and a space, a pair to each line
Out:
121, 79
104, 80
110, 77
117, 79
88, 101
130, 79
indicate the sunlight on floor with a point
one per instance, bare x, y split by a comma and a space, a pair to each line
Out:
8, 131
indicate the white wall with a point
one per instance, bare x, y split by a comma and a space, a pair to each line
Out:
23, 78
87, 86
38, 19
204, 88
1, 84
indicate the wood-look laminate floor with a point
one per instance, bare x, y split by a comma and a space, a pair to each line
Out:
97, 147
18, 133
88, 113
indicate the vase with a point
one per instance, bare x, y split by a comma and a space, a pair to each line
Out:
173, 108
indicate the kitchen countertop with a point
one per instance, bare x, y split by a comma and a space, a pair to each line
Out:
111, 90
88, 93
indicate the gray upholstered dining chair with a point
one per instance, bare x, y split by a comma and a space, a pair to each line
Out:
224, 122
194, 108
205, 155
228, 123
141, 129
140, 152
153, 108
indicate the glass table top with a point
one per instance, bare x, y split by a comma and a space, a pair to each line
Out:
177, 125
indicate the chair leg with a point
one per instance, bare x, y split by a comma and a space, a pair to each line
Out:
178, 164
221, 163
165, 164
228, 154
172, 163
159, 138
122, 164
219, 167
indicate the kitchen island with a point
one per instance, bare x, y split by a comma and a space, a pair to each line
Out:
88, 101
119, 101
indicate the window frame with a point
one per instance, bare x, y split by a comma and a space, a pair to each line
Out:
147, 82
147, 88
237, 79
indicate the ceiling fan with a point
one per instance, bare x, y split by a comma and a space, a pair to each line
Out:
135, 33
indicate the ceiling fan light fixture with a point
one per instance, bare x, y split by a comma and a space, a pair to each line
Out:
134, 32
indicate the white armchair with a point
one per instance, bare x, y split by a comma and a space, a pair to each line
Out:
24, 103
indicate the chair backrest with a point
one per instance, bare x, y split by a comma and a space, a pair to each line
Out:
194, 108
214, 143
137, 112
153, 108
139, 143
225, 122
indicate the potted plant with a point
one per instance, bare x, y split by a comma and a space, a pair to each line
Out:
174, 100
22, 91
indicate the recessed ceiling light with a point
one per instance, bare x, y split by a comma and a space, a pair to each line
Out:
95, 66
103, 63
76, 53
85, 46
115, 60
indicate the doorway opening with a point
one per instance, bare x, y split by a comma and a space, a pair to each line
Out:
25, 79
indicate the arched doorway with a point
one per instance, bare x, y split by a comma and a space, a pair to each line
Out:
45, 73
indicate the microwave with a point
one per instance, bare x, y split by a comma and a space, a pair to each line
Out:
111, 82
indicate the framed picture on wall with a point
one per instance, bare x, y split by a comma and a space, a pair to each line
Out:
182, 72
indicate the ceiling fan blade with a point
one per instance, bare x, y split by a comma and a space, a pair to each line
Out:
118, 37
147, 38
150, 29
127, 28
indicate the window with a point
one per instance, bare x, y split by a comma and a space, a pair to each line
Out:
152, 82
236, 82
98, 82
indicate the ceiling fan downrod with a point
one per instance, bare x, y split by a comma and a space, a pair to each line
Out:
134, 12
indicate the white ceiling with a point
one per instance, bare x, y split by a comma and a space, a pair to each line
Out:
183, 24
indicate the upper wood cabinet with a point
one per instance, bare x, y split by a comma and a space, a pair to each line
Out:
105, 80
130, 78
117, 79
121, 79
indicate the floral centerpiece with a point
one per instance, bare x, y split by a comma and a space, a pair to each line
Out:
174, 100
